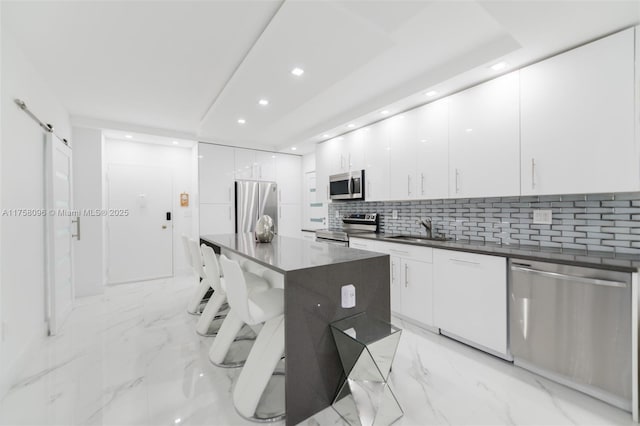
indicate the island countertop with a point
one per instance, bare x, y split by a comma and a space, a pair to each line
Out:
286, 254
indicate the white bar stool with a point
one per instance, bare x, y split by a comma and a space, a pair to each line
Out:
203, 286
254, 308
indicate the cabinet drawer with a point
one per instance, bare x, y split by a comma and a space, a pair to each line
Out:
407, 251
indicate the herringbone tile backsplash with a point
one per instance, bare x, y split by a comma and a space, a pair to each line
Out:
594, 222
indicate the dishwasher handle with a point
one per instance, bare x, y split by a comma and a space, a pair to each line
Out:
565, 277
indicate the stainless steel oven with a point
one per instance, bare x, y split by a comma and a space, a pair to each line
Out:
347, 186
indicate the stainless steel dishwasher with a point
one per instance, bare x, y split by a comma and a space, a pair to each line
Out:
573, 325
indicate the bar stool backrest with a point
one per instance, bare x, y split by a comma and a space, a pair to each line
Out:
236, 288
196, 258
212, 267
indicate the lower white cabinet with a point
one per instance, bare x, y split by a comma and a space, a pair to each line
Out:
470, 294
289, 222
308, 235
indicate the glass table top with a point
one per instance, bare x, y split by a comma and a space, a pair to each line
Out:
364, 328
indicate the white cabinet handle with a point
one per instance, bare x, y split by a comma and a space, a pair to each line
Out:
368, 195
280, 215
533, 173
422, 183
327, 191
260, 171
464, 261
229, 194
398, 251
393, 272
229, 212
457, 181
349, 164
408, 184
280, 195
406, 275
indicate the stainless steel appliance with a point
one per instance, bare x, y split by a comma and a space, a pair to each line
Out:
573, 325
351, 224
347, 186
254, 199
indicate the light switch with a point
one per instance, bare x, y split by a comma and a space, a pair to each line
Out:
348, 296
337, 214
542, 217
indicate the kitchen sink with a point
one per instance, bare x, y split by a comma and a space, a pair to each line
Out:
418, 239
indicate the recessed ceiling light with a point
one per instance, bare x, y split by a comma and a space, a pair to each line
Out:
263, 102
384, 112
423, 140
469, 130
297, 71
351, 125
241, 121
293, 148
200, 156
176, 142
325, 135
128, 136
273, 156
178, 420
499, 66
431, 93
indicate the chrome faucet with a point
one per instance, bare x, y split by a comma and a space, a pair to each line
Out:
428, 226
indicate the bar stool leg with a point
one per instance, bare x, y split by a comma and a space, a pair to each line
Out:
212, 308
195, 301
260, 366
225, 337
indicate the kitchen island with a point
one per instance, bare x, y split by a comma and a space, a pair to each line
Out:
314, 274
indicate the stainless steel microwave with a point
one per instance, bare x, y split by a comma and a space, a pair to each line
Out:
347, 186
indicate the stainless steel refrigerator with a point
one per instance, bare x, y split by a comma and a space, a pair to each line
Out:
254, 199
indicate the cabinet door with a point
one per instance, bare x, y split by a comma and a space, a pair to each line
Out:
265, 166
306, 235
327, 163
417, 291
217, 219
355, 149
401, 134
431, 151
245, 163
470, 297
215, 173
396, 286
289, 178
289, 220
578, 120
485, 139
376, 158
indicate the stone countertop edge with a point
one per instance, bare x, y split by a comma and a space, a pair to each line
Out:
337, 254
591, 259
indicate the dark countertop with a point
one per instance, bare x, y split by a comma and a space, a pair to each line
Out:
285, 254
601, 260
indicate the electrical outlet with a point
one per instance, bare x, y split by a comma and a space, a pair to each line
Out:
542, 217
348, 296
337, 214
394, 214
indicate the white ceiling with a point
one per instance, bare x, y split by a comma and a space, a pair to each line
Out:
194, 68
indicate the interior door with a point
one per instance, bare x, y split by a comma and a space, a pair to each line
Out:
59, 286
139, 223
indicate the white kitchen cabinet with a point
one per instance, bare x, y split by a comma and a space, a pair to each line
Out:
327, 162
376, 161
245, 163
289, 178
411, 280
265, 166
484, 139
470, 298
431, 151
578, 120
401, 133
217, 219
289, 220
216, 174
354, 149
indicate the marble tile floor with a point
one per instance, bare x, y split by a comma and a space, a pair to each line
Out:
132, 357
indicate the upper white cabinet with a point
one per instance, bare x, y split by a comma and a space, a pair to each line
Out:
484, 139
431, 151
376, 162
400, 132
289, 178
216, 173
255, 165
578, 120
325, 153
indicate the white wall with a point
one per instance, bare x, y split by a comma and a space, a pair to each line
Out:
181, 162
87, 194
22, 265
308, 163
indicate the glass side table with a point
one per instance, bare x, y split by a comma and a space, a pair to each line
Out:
367, 347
